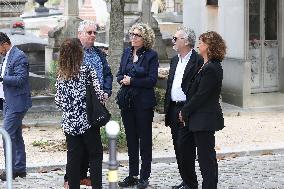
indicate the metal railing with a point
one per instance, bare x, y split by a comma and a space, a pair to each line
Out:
8, 148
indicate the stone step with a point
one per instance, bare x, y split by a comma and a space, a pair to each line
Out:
43, 108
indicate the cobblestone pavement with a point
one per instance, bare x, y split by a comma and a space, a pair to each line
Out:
238, 173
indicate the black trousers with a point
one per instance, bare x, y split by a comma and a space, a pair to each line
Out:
138, 129
175, 126
90, 140
204, 142
84, 166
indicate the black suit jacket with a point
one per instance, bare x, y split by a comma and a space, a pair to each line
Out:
202, 111
191, 68
143, 85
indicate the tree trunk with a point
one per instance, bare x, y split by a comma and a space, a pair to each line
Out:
116, 35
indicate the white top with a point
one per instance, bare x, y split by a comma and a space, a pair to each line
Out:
176, 93
2, 73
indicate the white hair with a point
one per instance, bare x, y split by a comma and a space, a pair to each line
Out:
85, 23
189, 34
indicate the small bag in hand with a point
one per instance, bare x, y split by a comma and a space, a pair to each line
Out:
97, 113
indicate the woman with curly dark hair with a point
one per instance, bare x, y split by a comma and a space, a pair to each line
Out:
202, 114
70, 97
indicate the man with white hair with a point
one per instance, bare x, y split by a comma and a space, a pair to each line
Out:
184, 65
87, 31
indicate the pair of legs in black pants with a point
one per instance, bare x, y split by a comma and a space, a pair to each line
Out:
84, 166
90, 140
175, 125
204, 141
138, 129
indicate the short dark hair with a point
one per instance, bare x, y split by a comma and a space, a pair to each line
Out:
4, 38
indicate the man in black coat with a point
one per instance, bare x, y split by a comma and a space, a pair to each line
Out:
184, 65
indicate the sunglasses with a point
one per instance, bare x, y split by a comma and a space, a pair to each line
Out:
176, 38
91, 32
135, 35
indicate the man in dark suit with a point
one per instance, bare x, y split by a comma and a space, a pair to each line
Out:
17, 101
183, 65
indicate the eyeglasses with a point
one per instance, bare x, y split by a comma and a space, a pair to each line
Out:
135, 35
176, 38
91, 32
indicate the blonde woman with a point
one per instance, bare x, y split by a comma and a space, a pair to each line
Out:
137, 75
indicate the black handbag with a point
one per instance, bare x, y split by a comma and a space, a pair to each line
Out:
125, 97
97, 113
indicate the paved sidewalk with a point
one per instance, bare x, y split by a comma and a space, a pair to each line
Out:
249, 170
257, 172
246, 133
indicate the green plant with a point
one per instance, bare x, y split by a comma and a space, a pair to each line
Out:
160, 96
54, 2
121, 137
40, 143
52, 76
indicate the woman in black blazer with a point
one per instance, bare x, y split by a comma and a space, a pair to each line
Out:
202, 113
138, 75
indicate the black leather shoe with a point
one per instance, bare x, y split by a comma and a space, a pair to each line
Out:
128, 181
142, 184
186, 187
179, 186
3, 176
20, 174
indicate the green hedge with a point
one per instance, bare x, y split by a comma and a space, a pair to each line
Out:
160, 96
121, 140
52, 76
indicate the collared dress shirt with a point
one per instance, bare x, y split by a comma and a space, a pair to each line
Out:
176, 92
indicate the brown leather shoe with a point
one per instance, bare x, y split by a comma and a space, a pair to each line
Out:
86, 182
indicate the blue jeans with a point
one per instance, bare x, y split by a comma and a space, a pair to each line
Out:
13, 125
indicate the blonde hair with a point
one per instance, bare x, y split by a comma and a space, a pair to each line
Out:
147, 33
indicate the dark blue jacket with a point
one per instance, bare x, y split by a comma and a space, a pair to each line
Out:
107, 75
144, 85
15, 82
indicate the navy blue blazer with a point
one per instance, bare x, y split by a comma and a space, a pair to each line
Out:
15, 82
107, 75
143, 85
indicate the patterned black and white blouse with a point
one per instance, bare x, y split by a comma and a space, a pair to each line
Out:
70, 97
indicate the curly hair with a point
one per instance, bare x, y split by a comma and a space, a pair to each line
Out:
216, 45
147, 33
70, 58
